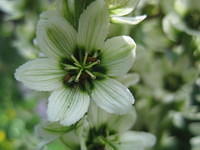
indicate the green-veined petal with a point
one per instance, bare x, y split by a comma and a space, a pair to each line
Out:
41, 74
118, 55
128, 20
93, 26
67, 105
55, 36
112, 96
142, 139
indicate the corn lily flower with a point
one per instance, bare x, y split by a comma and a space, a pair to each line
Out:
98, 130
119, 9
108, 131
80, 66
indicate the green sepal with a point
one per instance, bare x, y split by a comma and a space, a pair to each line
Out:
72, 9
57, 128
66, 8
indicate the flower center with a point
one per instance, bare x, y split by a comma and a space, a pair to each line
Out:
82, 67
97, 138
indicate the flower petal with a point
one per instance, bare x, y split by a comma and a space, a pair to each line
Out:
121, 8
112, 96
41, 74
133, 137
130, 79
124, 122
171, 25
130, 146
67, 105
118, 55
128, 20
96, 116
55, 36
93, 26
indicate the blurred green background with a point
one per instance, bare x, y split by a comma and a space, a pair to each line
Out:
167, 67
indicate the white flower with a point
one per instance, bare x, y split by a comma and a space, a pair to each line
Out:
98, 130
109, 131
183, 19
80, 65
120, 8
173, 25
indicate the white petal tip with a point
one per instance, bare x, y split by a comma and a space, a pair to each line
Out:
128, 20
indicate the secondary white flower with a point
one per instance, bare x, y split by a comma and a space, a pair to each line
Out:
108, 131
120, 8
183, 19
80, 65
98, 130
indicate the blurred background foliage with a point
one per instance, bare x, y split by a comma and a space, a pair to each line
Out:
168, 64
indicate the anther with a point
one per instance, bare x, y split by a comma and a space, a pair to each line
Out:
67, 78
91, 59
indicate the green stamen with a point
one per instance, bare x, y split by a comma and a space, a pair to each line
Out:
71, 79
80, 69
78, 65
90, 74
85, 58
92, 64
95, 54
78, 75
75, 60
70, 67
